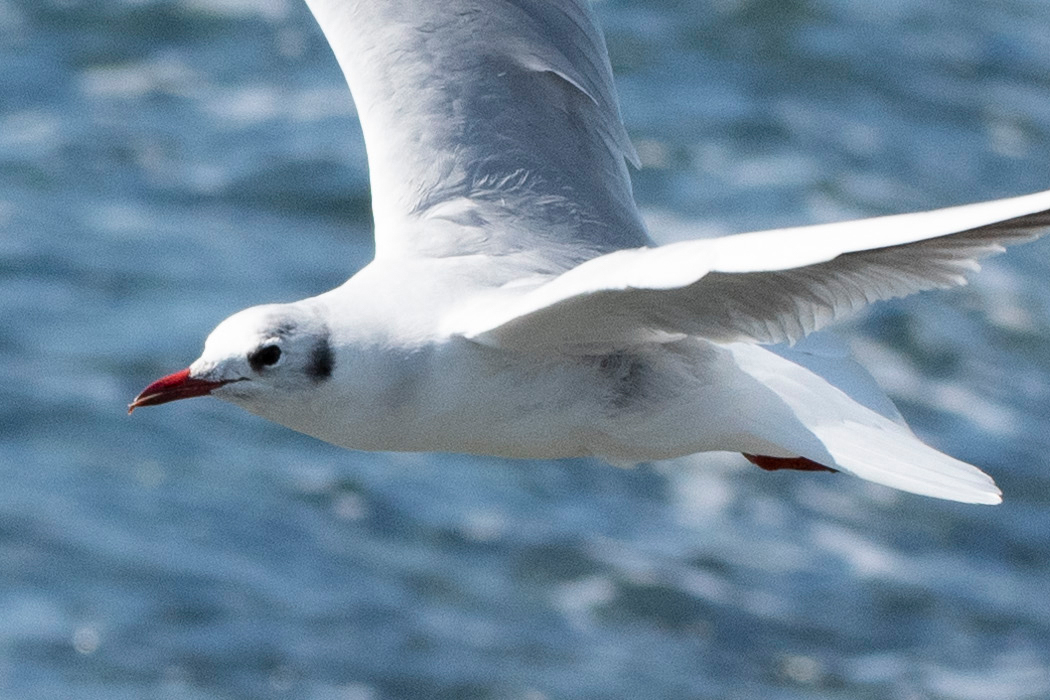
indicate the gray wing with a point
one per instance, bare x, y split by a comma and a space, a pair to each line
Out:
491, 126
766, 287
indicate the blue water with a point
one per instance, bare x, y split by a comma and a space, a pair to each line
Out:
164, 163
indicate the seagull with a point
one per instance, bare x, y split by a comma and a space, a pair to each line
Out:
517, 306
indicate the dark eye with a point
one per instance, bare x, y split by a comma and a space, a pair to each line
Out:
264, 357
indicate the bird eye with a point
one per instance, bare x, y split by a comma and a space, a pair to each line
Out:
264, 357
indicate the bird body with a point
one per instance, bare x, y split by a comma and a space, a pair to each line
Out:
517, 307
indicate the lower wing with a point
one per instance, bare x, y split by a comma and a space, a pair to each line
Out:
765, 287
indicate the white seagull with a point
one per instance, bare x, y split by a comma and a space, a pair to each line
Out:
517, 307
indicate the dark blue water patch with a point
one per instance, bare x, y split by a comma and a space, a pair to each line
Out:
305, 187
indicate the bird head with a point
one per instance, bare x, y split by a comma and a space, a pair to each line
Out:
251, 356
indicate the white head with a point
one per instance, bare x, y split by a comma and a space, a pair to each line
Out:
261, 355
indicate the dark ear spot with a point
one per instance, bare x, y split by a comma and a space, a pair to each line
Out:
322, 360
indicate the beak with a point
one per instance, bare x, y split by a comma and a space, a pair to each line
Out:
173, 387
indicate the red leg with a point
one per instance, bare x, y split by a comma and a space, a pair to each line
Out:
771, 464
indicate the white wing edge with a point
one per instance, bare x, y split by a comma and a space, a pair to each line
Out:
781, 249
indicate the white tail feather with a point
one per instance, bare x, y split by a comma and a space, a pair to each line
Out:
893, 457
859, 440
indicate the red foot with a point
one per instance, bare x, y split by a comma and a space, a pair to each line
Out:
771, 464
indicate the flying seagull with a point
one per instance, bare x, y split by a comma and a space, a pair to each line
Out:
517, 307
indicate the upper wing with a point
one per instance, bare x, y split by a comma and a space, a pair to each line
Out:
763, 287
491, 126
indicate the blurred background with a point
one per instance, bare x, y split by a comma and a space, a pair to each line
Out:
164, 163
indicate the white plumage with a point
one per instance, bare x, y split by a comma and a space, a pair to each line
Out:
764, 287
517, 306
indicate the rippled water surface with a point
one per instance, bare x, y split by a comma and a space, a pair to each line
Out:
164, 163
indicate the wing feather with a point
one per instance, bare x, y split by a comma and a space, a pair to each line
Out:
491, 126
766, 287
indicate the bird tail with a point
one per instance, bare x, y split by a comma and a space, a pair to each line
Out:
851, 437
